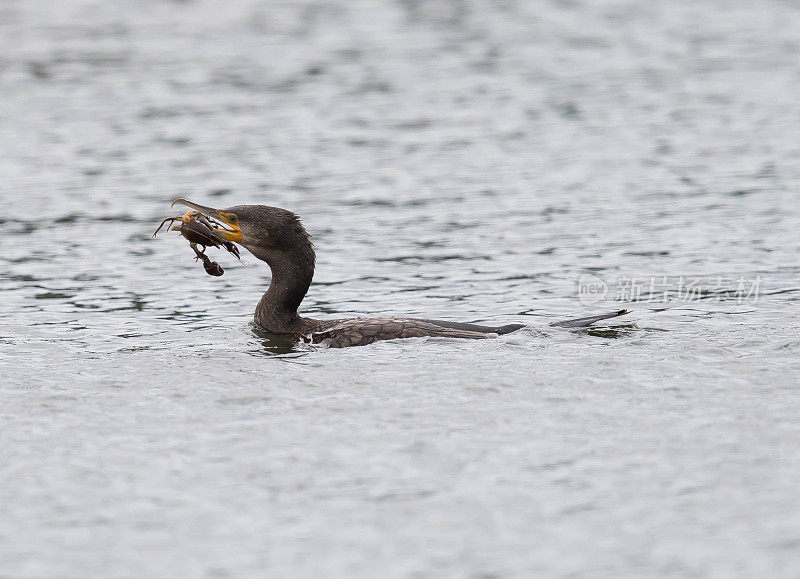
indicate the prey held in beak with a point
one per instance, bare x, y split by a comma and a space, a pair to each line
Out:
201, 227
225, 224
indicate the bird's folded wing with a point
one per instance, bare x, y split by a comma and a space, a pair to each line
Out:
364, 331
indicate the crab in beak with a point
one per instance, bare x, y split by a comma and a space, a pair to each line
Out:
223, 223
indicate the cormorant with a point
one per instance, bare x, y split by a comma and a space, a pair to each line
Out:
277, 237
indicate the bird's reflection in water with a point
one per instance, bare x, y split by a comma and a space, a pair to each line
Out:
274, 345
620, 331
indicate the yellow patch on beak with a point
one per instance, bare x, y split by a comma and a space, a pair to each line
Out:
224, 224
232, 221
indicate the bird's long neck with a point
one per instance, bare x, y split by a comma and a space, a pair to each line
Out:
291, 276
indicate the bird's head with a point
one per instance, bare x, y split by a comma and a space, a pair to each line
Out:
268, 233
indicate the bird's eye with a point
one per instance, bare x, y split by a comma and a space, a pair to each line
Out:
232, 218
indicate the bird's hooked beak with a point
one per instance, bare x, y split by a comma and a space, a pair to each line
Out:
226, 224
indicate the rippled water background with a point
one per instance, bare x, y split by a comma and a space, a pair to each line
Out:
466, 160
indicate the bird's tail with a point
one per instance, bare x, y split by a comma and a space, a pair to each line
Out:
586, 322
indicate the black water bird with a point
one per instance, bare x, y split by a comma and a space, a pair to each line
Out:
277, 237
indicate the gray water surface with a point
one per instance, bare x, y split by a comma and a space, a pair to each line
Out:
464, 160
